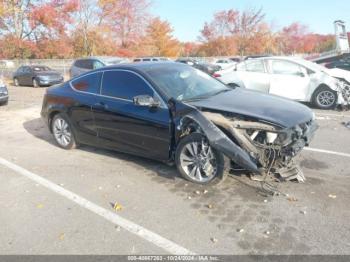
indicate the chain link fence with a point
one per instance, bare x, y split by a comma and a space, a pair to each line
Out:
8, 67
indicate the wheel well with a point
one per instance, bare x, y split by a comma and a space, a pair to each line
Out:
51, 116
319, 87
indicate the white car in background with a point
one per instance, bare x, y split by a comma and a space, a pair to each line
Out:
293, 78
225, 63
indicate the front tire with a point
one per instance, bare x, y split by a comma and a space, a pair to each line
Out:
63, 132
324, 98
35, 83
198, 162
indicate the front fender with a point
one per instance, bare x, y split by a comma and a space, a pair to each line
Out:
219, 140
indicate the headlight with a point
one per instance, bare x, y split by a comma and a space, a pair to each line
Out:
271, 137
3, 90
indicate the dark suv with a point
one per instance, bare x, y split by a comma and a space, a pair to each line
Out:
84, 65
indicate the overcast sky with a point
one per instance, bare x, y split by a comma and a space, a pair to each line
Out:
188, 16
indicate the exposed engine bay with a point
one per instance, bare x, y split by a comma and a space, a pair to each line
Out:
258, 147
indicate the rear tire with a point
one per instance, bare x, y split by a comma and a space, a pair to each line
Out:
198, 162
63, 132
324, 98
15, 82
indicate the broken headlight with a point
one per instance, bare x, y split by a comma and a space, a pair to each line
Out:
268, 138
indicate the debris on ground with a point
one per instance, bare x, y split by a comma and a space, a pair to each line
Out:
99, 188
292, 199
214, 240
117, 206
332, 196
265, 201
61, 236
303, 212
240, 230
197, 192
258, 178
117, 228
205, 192
189, 197
210, 206
346, 124
267, 232
39, 206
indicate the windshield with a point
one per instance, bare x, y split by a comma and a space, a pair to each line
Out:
41, 68
185, 83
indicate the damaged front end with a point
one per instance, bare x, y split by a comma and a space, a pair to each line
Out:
258, 147
343, 91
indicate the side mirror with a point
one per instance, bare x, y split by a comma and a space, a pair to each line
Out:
146, 100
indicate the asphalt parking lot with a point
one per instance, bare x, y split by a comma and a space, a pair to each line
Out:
161, 213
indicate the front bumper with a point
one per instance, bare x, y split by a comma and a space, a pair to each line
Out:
4, 98
44, 82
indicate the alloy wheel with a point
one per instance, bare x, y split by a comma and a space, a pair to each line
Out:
35, 83
198, 161
62, 132
326, 98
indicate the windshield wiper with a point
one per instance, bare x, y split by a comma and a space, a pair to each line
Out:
207, 96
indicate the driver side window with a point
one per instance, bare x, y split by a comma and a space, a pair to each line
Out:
124, 85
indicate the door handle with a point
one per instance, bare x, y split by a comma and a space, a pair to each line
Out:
101, 105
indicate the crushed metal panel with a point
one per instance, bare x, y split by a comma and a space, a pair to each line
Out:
218, 140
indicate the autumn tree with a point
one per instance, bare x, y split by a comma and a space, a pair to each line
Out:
126, 19
159, 40
24, 23
233, 32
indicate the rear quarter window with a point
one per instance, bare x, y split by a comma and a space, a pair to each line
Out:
88, 83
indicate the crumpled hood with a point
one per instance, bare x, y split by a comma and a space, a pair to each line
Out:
263, 107
339, 73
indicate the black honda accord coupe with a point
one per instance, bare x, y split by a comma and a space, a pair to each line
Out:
174, 113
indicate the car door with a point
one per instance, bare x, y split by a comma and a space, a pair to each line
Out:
288, 79
252, 73
85, 88
26, 77
125, 126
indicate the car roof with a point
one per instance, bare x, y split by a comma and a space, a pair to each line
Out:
100, 58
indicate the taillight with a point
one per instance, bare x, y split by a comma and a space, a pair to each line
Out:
216, 75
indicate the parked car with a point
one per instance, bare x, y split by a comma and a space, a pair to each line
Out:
150, 59
36, 76
224, 63
188, 61
4, 94
341, 64
205, 67
175, 113
293, 78
83, 65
